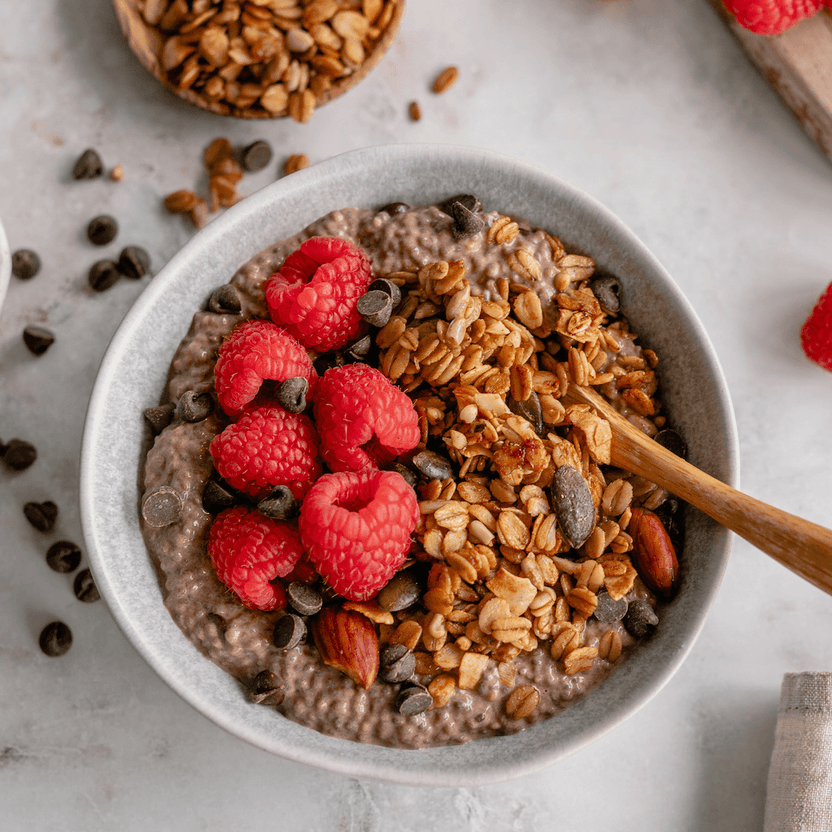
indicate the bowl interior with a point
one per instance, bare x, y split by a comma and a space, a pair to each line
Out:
134, 370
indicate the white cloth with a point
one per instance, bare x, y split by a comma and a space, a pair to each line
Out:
799, 796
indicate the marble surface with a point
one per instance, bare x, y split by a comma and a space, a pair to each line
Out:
649, 106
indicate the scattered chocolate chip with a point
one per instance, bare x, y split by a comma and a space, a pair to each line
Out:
674, 443
88, 166
41, 515
194, 407
640, 619
375, 308
63, 556
609, 611
102, 230
396, 664
225, 300
669, 513
412, 700
328, 360
267, 689
281, 504
160, 417
84, 587
401, 591
382, 284
607, 290
409, 477
55, 639
103, 275
305, 599
133, 262
529, 409
38, 339
361, 348
468, 201
19, 454
466, 223
291, 394
216, 498
433, 466
25, 264
574, 507
288, 632
257, 155
394, 208
161, 506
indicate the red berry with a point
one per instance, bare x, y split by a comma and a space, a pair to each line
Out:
816, 334
255, 351
356, 529
315, 293
363, 420
249, 551
266, 447
771, 17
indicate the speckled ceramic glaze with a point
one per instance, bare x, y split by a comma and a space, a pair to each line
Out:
133, 374
5, 265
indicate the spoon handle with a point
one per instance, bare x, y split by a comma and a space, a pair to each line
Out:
801, 546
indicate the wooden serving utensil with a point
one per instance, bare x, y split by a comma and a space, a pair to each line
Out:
803, 547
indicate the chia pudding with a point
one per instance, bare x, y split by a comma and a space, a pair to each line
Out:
524, 587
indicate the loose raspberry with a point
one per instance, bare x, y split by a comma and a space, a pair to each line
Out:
356, 529
249, 551
816, 334
255, 351
771, 17
363, 420
266, 447
315, 293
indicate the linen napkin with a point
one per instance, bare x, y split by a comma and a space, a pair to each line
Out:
799, 796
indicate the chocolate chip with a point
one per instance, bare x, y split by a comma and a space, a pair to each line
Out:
133, 262
607, 290
55, 639
409, 477
433, 466
257, 155
375, 308
63, 556
529, 409
25, 264
468, 201
41, 515
267, 689
19, 454
281, 504
162, 506
305, 599
608, 611
225, 300
288, 632
38, 339
159, 417
466, 223
216, 498
361, 349
674, 443
401, 591
574, 507
396, 664
102, 230
382, 284
291, 394
194, 407
641, 619
394, 208
88, 166
412, 700
103, 275
328, 360
84, 587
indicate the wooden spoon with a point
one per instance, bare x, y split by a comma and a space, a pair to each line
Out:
803, 547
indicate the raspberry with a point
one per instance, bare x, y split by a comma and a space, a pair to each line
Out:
315, 293
255, 351
816, 334
266, 447
363, 420
249, 551
771, 17
356, 529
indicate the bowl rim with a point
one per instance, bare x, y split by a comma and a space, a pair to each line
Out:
5, 265
479, 763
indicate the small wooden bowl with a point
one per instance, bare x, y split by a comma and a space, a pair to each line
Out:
146, 42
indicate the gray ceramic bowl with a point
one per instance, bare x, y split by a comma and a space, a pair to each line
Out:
5, 265
133, 374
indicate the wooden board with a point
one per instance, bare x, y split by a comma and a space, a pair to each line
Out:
798, 65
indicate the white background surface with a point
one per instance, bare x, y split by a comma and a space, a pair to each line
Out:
648, 105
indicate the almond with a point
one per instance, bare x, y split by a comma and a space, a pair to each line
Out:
347, 641
653, 552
